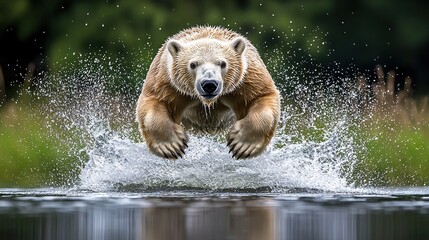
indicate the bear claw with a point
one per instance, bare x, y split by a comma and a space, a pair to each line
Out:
246, 151
173, 149
167, 150
241, 143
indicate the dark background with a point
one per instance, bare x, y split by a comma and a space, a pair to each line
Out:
364, 33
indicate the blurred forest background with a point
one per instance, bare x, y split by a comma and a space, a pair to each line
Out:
40, 35
364, 32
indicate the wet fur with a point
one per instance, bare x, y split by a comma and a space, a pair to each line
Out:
248, 106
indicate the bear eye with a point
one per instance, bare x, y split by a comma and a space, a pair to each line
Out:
223, 64
193, 65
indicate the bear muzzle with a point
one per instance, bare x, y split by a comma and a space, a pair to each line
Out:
209, 88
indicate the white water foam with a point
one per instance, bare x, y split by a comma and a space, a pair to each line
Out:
117, 161
207, 165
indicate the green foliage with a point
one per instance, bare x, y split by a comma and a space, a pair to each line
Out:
395, 156
364, 32
27, 16
134, 30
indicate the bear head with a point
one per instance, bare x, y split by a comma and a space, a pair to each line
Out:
206, 68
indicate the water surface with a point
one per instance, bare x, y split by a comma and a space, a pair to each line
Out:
199, 214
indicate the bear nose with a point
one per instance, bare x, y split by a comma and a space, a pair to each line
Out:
209, 86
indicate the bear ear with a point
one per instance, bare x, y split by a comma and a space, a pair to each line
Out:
174, 47
238, 44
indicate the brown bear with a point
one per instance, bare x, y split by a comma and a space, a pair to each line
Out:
208, 79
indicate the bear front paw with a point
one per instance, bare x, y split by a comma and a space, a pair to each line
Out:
172, 146
245, 142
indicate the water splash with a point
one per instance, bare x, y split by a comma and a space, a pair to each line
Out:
313, 147
119, 163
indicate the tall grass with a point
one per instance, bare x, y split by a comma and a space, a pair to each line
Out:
397, 132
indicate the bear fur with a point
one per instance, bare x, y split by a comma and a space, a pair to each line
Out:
208, 79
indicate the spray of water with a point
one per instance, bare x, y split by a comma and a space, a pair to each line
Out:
314, 147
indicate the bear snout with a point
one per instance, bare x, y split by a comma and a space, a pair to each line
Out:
209, 88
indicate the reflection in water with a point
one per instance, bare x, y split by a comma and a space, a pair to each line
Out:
354, 221
162, 220
295, 217
204, 222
